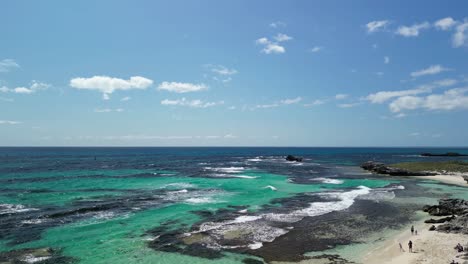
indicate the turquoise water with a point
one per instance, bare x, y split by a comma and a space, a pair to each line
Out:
98, 205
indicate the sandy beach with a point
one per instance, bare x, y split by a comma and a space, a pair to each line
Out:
429, 247
453, 178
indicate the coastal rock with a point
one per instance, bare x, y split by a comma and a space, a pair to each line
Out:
439, 221
465, 178
293, 158
432, 228
457, 223
448, 154
34, 255
448, 207
381, 168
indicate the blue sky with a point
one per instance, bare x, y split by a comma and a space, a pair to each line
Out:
222, 73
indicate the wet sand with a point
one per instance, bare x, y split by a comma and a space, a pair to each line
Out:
454, 178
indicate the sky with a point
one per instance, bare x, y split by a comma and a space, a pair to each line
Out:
234, 73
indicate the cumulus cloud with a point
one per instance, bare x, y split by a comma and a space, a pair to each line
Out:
179, 87
280, 37
386, 60
190, 103
445, 23
412, 31
459, 37
375, 26
108, 110
7, 65
9, 122
449, 100
35, 86
107, 85
270, 47
291, 101
126, 98
431, 70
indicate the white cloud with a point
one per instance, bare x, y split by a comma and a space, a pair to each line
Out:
341, 96
222, 70
412, 31
433, 69
107, 85
33, 87
452, 99
316, 102
126, 98
460, 38
270, 47
375, 26
9, 122
386, 60
316, 49
190, 103
7, 65
445, 23
108, 110
267, 106
415, 134
230, 136
383, 96
277, 24
178, 87
291, 101
280, 37
349, 105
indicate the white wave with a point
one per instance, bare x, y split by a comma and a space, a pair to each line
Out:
255, 245
104, 215
378, 196
29, 258
298, 164
33, 221
329, 181
244, 211
215, 225
255, 160
14, 208
273, 188
183, 185
226, 169
244, 176
181, 191
200, 200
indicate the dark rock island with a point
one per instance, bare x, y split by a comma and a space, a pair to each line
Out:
448, 154
381, 168
293, 158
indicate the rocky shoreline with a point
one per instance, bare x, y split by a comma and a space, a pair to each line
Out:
381, 168
455, 212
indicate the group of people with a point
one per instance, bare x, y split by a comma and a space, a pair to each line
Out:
459, 248
410, 247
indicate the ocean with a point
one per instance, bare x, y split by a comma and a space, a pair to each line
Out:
203, 204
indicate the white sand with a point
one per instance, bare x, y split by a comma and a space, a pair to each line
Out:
453, 178
429, 247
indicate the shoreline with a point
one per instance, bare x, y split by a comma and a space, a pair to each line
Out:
453, 178
428, 247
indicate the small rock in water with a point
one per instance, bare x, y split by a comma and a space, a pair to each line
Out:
293, 158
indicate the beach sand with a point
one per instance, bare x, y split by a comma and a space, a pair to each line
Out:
429, 247
454, 178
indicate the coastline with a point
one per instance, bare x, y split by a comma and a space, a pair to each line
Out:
428, 247
452, 178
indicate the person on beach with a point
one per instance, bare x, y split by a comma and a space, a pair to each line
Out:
459, 247
410, 246
412, 230
401, 248
416, 232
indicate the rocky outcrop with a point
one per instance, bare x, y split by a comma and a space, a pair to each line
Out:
457, 208
448, 154
293, 158
381, 168
440, 220
465, 178
34, 255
